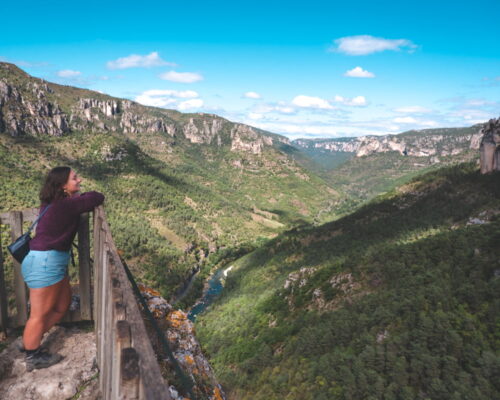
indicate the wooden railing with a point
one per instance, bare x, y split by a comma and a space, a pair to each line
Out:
127, 363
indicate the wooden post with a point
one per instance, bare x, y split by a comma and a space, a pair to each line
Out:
104, 289
110, 326
19, 286
129, 374
4, 307
122, 341
97, 283
84, 267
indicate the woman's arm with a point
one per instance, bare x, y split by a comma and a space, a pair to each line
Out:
86, 201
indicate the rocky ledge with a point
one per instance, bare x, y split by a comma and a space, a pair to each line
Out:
76, 373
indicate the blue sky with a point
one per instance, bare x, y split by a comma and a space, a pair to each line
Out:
301, 69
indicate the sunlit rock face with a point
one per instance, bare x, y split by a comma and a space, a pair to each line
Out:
34, 107
490, 147
29, 111
180, 333
434, 143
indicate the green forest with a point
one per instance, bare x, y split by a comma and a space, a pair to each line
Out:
398, 300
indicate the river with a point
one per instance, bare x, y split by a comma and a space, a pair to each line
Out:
214, 288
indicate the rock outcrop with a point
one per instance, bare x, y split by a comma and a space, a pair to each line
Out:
185, 347
490, 146
427, 143
30, 111
30, 106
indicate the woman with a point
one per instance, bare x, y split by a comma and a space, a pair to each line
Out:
45, 268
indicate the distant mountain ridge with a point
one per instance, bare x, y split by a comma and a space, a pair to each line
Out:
32, 106
441, 142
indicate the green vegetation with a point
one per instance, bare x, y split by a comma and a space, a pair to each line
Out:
170, 202
363, 178
398, 300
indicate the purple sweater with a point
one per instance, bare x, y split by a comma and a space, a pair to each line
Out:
57, 227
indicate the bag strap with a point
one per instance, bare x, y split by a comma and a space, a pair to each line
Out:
38, 219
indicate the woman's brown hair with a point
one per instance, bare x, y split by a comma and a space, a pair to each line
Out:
52, 189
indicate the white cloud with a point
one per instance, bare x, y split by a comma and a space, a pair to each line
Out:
311, 102
413, 121
285, 109
135, 60
297, 130
359, 72
405, 120
188, 104
251, 95
358, 101
280, 108
181, 77
164, 98
366, 44
412, 110
68, 73
255, 116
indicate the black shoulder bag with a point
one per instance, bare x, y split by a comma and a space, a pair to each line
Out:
21, 246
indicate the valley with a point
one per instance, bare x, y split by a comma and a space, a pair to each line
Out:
352, 268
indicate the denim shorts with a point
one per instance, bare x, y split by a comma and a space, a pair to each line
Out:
44, 268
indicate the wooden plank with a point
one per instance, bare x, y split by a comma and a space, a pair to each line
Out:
129, 374
152, 383
30, 214
122, 341
103, 318
84, 267
4, 306
110, 326
19, 286
97, 280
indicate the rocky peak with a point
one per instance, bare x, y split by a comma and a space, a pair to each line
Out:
490, 146
29, 106
425, 143
203, 131
27, 110
245, 138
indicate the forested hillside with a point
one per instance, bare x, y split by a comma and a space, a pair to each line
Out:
178, 186
398, 300
363, 167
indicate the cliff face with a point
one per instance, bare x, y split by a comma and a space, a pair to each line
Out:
31, 106
180, 334
33, 113
425, 143
490, 146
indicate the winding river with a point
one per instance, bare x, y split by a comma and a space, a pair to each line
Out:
213, 290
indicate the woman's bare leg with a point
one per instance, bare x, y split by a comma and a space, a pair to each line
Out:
61, 305
45, 311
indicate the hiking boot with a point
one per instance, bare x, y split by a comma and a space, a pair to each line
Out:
38, 359
21, 349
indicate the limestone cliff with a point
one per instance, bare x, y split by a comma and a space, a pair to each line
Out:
433, 143
490, 146
33, 107
180, 334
